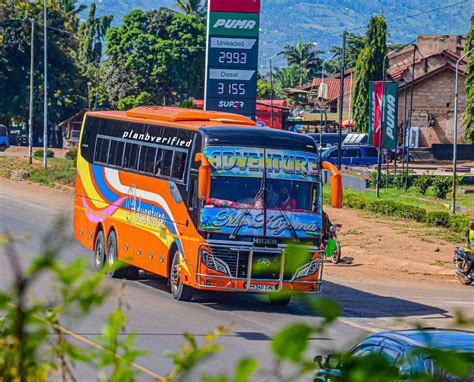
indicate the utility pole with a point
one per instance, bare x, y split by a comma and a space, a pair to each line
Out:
410, 118
32, 68
45, 101
455, 143
341, 98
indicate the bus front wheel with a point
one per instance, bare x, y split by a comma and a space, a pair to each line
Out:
99, 251
114, 268
179, 291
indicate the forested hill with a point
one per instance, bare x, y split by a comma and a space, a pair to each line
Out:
319, 21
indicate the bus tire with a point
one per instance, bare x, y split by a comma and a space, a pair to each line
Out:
179, 291
99, 251
279, 299
115, 270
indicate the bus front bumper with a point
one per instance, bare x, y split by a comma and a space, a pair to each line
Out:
236, 267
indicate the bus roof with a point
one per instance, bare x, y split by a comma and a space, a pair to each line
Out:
174, 116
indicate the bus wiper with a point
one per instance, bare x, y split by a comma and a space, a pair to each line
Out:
289, 224
261, 190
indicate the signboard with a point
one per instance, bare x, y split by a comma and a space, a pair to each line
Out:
232, 56
383, 100
252, 162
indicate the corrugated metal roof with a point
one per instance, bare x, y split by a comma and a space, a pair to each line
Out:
333, 86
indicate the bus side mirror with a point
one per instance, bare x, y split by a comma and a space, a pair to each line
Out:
204, 182
335, 182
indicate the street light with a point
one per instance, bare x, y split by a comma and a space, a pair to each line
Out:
379, 159
455, 143
271, 86
97, 82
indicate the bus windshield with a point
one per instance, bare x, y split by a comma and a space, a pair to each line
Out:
245, 192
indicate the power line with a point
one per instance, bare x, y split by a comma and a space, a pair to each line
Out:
339, 31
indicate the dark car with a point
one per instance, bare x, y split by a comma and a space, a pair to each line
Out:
352, 155
404, 350
4, 142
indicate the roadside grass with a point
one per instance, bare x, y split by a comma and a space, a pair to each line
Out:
422, 230
61, 173
427, 201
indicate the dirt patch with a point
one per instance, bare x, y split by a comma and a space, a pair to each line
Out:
380, 248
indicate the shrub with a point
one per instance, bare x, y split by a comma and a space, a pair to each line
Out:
458, 223
40, 153
423, 182
393, 180
71, 155
442, 186
438, 218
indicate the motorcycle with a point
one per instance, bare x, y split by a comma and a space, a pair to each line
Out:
336, 257
460, 264
400, 153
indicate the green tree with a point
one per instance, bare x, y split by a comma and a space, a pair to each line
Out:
92, 33
192, 7
66, 86
71, 7
160, 53
354, 45
369, 67
469, 87
304, 56
289, 76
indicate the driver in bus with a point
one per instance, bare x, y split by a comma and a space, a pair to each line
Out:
286, 201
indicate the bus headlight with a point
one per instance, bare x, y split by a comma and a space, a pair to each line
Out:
308, 269
213, 262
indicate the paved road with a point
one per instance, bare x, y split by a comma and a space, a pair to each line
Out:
160, 322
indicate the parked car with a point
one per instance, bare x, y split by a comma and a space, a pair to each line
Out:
19, 136
404, 350
4, 141
352, 155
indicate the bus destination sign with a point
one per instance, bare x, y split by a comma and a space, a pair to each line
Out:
232, 56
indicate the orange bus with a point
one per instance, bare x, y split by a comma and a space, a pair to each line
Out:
204, 199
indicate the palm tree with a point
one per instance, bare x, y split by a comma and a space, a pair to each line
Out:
290, 76
70, 7
303, 56
192, 7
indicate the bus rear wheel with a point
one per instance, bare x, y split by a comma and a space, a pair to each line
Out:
114, 268
179, 291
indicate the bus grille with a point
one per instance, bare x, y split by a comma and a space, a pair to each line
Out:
265, 265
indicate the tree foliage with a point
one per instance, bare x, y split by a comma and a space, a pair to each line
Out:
66, 86
160, 53
469, 87
192, 7
369, 67
354, 45
304, 57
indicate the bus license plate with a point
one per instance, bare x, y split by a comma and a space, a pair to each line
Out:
262, 288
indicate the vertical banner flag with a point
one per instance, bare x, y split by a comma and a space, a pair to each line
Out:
232, 56
383, 131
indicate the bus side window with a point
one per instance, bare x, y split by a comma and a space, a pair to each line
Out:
102, 150
88, 138
179, 165
147, 159
167, 159
116, 153
131, 156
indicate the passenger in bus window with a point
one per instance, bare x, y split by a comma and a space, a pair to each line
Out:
158, 168
286, 201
